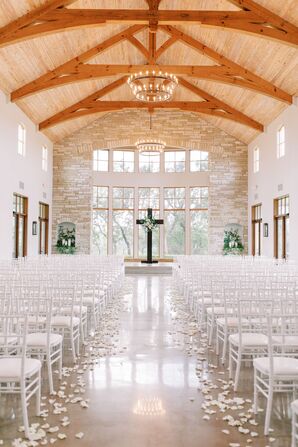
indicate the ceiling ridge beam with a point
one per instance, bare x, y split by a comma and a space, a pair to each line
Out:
58, 20
84, 72
192, 106
258, 82
39, 83
152, 48
84, 104
237, 114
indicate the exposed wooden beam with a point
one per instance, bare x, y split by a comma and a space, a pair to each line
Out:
152, 48
62, 19
204, 107
43, 81
167, 44
91, 71
139, 46
236, 115
257, 82
85, 104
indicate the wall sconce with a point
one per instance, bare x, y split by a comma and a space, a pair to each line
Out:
34, 228
266, 230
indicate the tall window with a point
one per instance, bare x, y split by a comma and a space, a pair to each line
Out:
123, 161
281, 142
43, 229
256, 221
175, 161
282, 227
149, 162
101, 160
123, 221
148, 198
21, 139
256, 156
20, 208
100, 220
174, 217
198, 160
44, 158
199, 220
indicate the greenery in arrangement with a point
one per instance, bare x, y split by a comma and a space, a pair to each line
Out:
232, 242
66, 242
149, 223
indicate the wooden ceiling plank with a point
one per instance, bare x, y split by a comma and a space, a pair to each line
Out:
83, 72
197, 107
152, 48
41, 83
237, 115
62, 19
83, 104
258, 83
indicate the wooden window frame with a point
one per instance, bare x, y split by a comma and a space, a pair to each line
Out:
24, 214
283, 216
44, 219
256, 219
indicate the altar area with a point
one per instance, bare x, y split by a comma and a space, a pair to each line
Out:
139, 268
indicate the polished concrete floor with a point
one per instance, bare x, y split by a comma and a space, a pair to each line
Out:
144, 377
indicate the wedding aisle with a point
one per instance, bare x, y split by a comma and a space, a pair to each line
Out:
147, 378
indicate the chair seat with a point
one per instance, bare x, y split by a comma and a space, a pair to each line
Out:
10, 339
249, 339
215, 310
39, 339
230, 321
88, 300
288, 340
76, 310
282, 366
10, 368
64, 321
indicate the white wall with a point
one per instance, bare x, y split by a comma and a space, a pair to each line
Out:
15, 169
277, 177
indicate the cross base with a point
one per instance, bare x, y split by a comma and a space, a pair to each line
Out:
145, 261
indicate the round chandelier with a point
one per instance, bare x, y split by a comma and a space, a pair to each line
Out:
153, 86
150, 145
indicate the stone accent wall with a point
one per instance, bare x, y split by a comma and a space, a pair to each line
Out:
72, 189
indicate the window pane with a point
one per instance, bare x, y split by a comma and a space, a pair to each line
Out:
101, 160
100, 196
149, 162
199, 197
174, 233
287, 223
100, 232
123, 233
148, 198
174, 198
123, 161
175, 161
199, 232
279, 238
198, 160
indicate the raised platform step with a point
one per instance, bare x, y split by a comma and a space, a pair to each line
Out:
137, 268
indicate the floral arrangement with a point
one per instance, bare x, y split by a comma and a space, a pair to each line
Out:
66, 242
149, 223
232, 242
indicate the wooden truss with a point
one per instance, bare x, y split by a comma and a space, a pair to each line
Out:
54, 16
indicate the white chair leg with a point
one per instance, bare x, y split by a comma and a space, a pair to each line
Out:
38, 394
255, 403
293, 443
60, 361
224, 348
50, 373
230, 363
268, 408
25, 410
237, 373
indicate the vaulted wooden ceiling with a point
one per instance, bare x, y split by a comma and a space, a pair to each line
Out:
66, 62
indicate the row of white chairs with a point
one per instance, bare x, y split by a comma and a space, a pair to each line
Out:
46, 305
250, 307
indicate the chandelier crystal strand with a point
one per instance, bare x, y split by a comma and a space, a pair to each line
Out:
153, 86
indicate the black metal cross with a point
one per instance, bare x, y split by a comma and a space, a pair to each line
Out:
149, 236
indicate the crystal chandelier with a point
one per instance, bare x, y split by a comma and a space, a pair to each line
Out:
150, 145
153, 86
